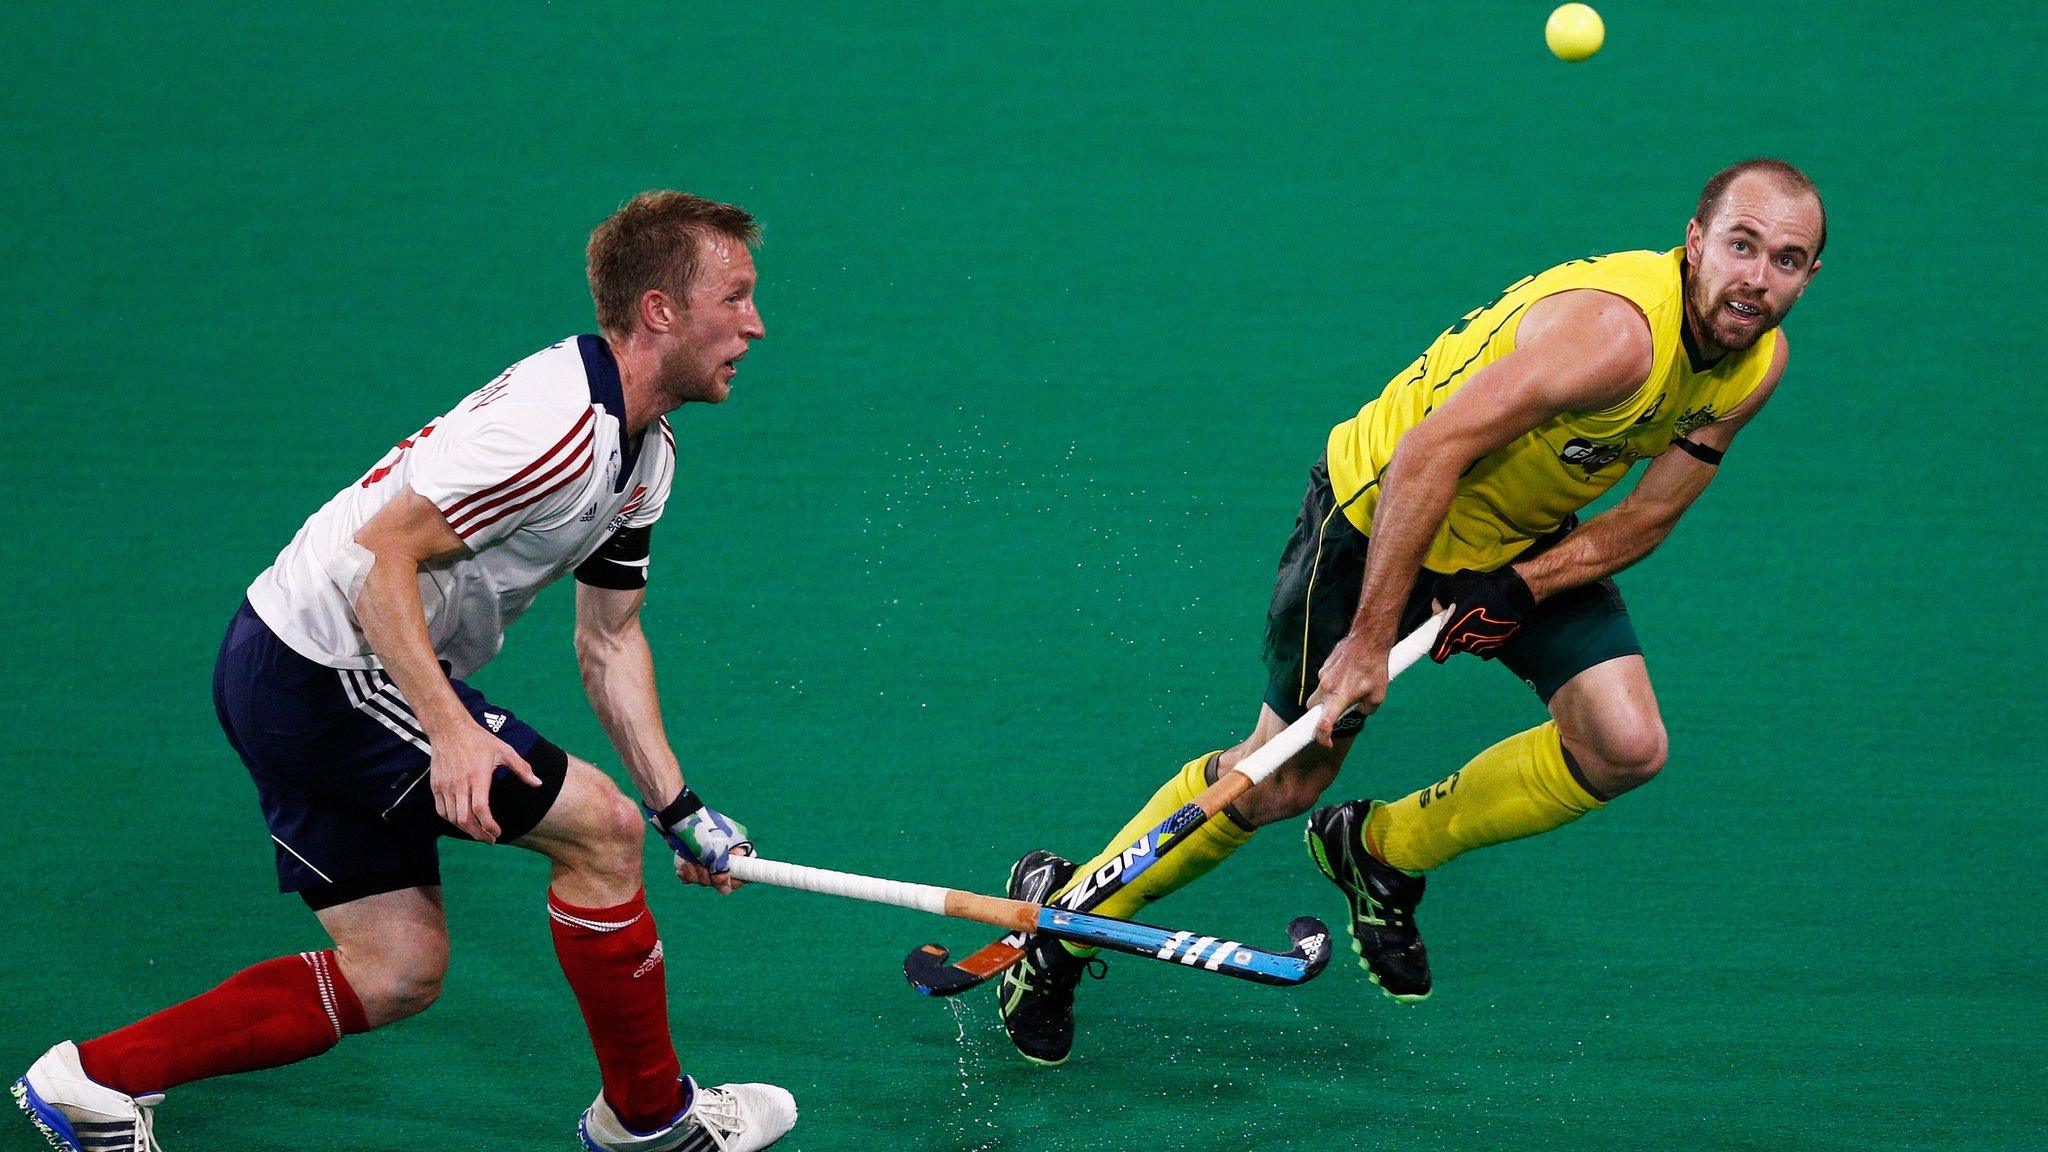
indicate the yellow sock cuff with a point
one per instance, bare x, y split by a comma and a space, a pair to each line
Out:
1520, 787
1194, 857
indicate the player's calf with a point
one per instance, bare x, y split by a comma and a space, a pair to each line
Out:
1293, 788
1290, 791
76, 1114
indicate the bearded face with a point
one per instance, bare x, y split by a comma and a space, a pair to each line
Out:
1730, 316
1750, 262
717, 324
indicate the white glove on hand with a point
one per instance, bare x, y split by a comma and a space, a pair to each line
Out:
699, 833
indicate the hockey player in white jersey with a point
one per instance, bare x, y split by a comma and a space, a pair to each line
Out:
341, 683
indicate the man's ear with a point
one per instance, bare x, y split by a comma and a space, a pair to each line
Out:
658, 311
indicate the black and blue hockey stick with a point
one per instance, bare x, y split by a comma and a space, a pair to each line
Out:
931, 972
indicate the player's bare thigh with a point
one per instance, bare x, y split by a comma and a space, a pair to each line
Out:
1609, 721
393, 950
593, 836
1292, 789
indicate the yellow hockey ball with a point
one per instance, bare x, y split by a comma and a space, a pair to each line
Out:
1574, 32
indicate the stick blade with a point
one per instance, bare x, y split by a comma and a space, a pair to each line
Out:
929, 972
1311, 943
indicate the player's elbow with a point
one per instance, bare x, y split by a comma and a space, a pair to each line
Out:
596, 645
589, 648
607, 625
378, 549
1434, 450
1658, 517
1645, 524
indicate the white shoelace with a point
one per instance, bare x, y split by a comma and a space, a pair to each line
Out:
145, 1134
718, 1113
141, 1136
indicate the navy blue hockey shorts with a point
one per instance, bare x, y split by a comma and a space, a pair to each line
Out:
340, 766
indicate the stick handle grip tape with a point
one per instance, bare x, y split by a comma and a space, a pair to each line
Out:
1013, 914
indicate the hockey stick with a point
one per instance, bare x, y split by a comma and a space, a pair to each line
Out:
1296, 966
927, 967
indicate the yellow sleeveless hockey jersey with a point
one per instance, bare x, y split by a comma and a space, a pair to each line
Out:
1529, 487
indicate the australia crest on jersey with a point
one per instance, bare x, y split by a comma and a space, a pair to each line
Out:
1693, 419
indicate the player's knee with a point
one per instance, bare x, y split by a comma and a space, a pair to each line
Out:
613, 833
1295, 797
395, 984
413, 993
1634, 752
1285, 794
623, 832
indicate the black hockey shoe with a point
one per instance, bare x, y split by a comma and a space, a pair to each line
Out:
1382, 899
1036, 996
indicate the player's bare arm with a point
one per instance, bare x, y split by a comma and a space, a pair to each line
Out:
1633, 528
618, 675
1576, 351
405, 535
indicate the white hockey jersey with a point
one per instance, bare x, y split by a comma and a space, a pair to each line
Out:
532, 470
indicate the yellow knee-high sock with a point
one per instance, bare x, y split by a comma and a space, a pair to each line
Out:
1202, 850
1519, 787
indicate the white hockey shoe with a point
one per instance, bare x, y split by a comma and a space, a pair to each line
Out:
728, 1118
76, 1115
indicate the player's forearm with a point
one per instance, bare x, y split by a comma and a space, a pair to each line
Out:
1415, 495
394, 620
618, 676
1595, 550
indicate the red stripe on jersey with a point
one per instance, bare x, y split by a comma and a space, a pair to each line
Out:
547, 482
503, 512
487, 493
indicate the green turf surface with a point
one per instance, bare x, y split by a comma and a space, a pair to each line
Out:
1061, 300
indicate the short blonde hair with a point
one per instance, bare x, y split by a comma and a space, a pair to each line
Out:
653, 242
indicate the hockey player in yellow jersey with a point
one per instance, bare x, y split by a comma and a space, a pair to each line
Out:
1459, 486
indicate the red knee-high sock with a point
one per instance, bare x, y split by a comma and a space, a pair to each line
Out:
279, 1012
612, 958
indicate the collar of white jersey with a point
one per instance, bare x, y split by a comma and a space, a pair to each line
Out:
602, 370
